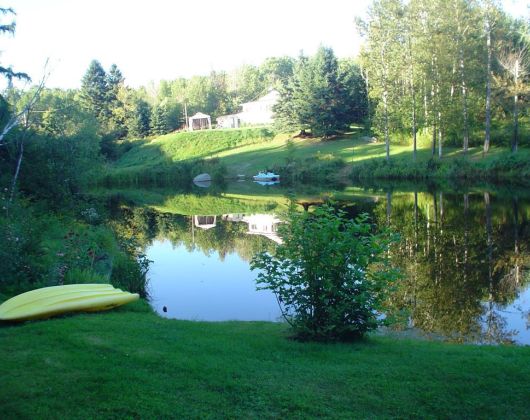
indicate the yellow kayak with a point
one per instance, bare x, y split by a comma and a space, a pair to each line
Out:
56, 300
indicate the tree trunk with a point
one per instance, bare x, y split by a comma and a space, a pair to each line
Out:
413, 94
515, 123
488, 88
388, 206
464, 103
17, 171
440, 135
515, 207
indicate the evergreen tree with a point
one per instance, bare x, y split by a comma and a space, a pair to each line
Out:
320, 96
9, 28
139, 119
159, 119
94, 91
115, 82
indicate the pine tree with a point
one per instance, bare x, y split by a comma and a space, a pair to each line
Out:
139, 119
94, 91
115, 83
159, 119
114, 79
320, 95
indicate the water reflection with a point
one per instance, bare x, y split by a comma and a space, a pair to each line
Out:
464, 256
463, 261
193, 285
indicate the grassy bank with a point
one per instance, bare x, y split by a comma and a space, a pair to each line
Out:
178, 157
246, 151
131, 363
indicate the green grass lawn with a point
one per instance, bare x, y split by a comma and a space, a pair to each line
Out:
129, 363
249, 150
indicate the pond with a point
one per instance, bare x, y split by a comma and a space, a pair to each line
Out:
464, 254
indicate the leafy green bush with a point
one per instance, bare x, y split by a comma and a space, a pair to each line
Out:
129, 273
330, 275
21, 234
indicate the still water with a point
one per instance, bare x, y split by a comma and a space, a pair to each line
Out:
464, 256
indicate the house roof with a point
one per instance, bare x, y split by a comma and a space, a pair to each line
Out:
269, 97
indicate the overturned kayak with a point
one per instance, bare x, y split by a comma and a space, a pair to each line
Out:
57, 300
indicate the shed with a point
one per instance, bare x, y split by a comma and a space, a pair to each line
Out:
200, 121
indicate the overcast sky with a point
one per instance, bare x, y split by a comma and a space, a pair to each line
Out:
164, 39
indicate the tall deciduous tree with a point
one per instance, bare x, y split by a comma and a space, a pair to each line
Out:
516, 63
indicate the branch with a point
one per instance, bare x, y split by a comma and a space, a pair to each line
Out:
17, 118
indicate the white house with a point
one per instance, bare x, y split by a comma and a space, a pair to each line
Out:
264, 225
228, 121
259, 111
255, 112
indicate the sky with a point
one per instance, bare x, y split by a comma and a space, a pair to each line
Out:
164, 39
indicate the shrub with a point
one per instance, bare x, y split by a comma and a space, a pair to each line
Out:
21, 251
129, 273
329, 275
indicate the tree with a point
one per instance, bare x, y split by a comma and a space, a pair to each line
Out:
516, 63
322, 95
329, 275
94, 91
159, 119
9, 28
383, 57
139, 119
277, 71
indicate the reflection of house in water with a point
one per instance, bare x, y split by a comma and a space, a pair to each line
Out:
258, 224
205, 222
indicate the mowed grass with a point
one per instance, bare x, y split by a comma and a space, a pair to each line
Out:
249, 150
129, 363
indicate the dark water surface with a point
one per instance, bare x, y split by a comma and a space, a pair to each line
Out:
464, 255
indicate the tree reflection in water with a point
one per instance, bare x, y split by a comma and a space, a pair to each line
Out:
464, 257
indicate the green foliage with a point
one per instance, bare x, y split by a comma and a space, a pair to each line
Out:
94, 91
321, 96
329, 275
130, 273
83, 276
21, 235
59, 167
321, 168
425, 64
9, 28
138, 120
159, 119
503, 166
60, 113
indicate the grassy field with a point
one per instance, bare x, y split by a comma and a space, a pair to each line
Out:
129, 363
247, 151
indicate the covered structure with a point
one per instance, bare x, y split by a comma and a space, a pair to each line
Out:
205, 222
200, 121
228, 121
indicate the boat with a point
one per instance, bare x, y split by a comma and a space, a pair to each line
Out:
266, 177
203, 180
57, 300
